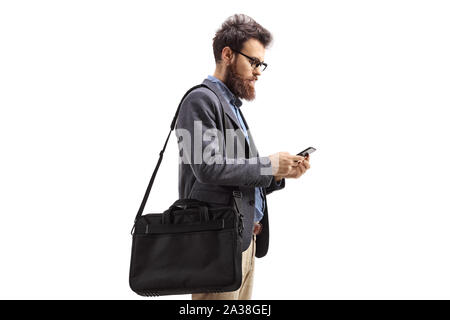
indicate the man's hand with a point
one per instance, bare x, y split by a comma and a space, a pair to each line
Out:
300, 169
283, 164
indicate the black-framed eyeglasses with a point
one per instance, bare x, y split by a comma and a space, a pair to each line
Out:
254, 62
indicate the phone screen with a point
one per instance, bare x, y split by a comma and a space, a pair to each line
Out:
306, 152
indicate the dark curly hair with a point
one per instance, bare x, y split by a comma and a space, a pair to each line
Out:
235, 31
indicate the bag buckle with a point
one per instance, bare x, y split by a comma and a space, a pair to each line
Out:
134, 227
237, 194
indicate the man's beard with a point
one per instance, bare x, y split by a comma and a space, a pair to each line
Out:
239, 86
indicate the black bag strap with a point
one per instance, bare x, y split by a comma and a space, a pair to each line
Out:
172, 126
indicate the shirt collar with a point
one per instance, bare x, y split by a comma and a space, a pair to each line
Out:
235, 101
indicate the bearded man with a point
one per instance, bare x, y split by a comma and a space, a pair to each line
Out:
239, 49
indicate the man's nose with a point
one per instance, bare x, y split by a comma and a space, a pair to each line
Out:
257, 72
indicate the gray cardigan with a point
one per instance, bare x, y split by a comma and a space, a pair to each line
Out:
214, 181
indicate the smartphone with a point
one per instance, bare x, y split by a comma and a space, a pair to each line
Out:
306, 152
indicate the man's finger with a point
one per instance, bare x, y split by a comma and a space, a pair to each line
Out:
297, 158
306, 164
299, 172
302, 168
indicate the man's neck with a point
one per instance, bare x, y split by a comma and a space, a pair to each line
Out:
219, 75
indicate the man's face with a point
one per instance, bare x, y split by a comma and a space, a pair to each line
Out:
240, 77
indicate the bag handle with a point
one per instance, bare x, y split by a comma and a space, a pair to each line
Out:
188, 204
168, 216
172, 126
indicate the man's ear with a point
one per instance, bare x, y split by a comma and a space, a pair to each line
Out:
227, 55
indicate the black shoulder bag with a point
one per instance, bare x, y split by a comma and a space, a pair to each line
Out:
189, 248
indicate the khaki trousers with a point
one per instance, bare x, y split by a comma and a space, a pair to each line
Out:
245, 291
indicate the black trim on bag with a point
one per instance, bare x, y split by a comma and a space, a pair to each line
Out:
181, 228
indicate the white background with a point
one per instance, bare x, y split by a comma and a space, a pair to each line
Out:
87, 93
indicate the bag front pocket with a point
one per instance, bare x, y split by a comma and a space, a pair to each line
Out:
186, 262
